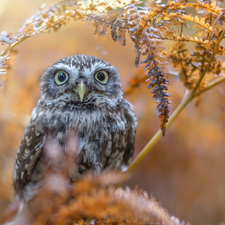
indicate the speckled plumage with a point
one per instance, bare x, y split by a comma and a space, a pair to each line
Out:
104, 122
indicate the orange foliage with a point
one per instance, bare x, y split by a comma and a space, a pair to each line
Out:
186, 169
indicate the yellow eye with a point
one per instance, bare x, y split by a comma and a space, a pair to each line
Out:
102, 76
61, 77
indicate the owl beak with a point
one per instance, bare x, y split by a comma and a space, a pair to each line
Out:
81, 88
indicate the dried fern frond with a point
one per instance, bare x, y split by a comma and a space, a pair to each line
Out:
146, 27
147, 44
6, 38
102, 6
3, 64
95, 197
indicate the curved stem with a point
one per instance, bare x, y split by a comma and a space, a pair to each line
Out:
158, 134
174, 115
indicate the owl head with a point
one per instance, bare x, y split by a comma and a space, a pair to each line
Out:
80, 78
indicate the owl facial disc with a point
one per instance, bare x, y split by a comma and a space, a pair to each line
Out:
82, 90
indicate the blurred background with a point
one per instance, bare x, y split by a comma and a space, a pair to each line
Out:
185, 171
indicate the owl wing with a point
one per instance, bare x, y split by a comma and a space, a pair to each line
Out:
27, 155
131, 131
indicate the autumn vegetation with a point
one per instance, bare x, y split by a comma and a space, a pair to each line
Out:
196, 59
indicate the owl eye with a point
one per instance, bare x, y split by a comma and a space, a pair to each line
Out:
102, 76
61, 77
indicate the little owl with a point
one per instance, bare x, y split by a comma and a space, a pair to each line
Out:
82, 94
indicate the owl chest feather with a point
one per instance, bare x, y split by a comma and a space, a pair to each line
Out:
100, 133
100, 136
